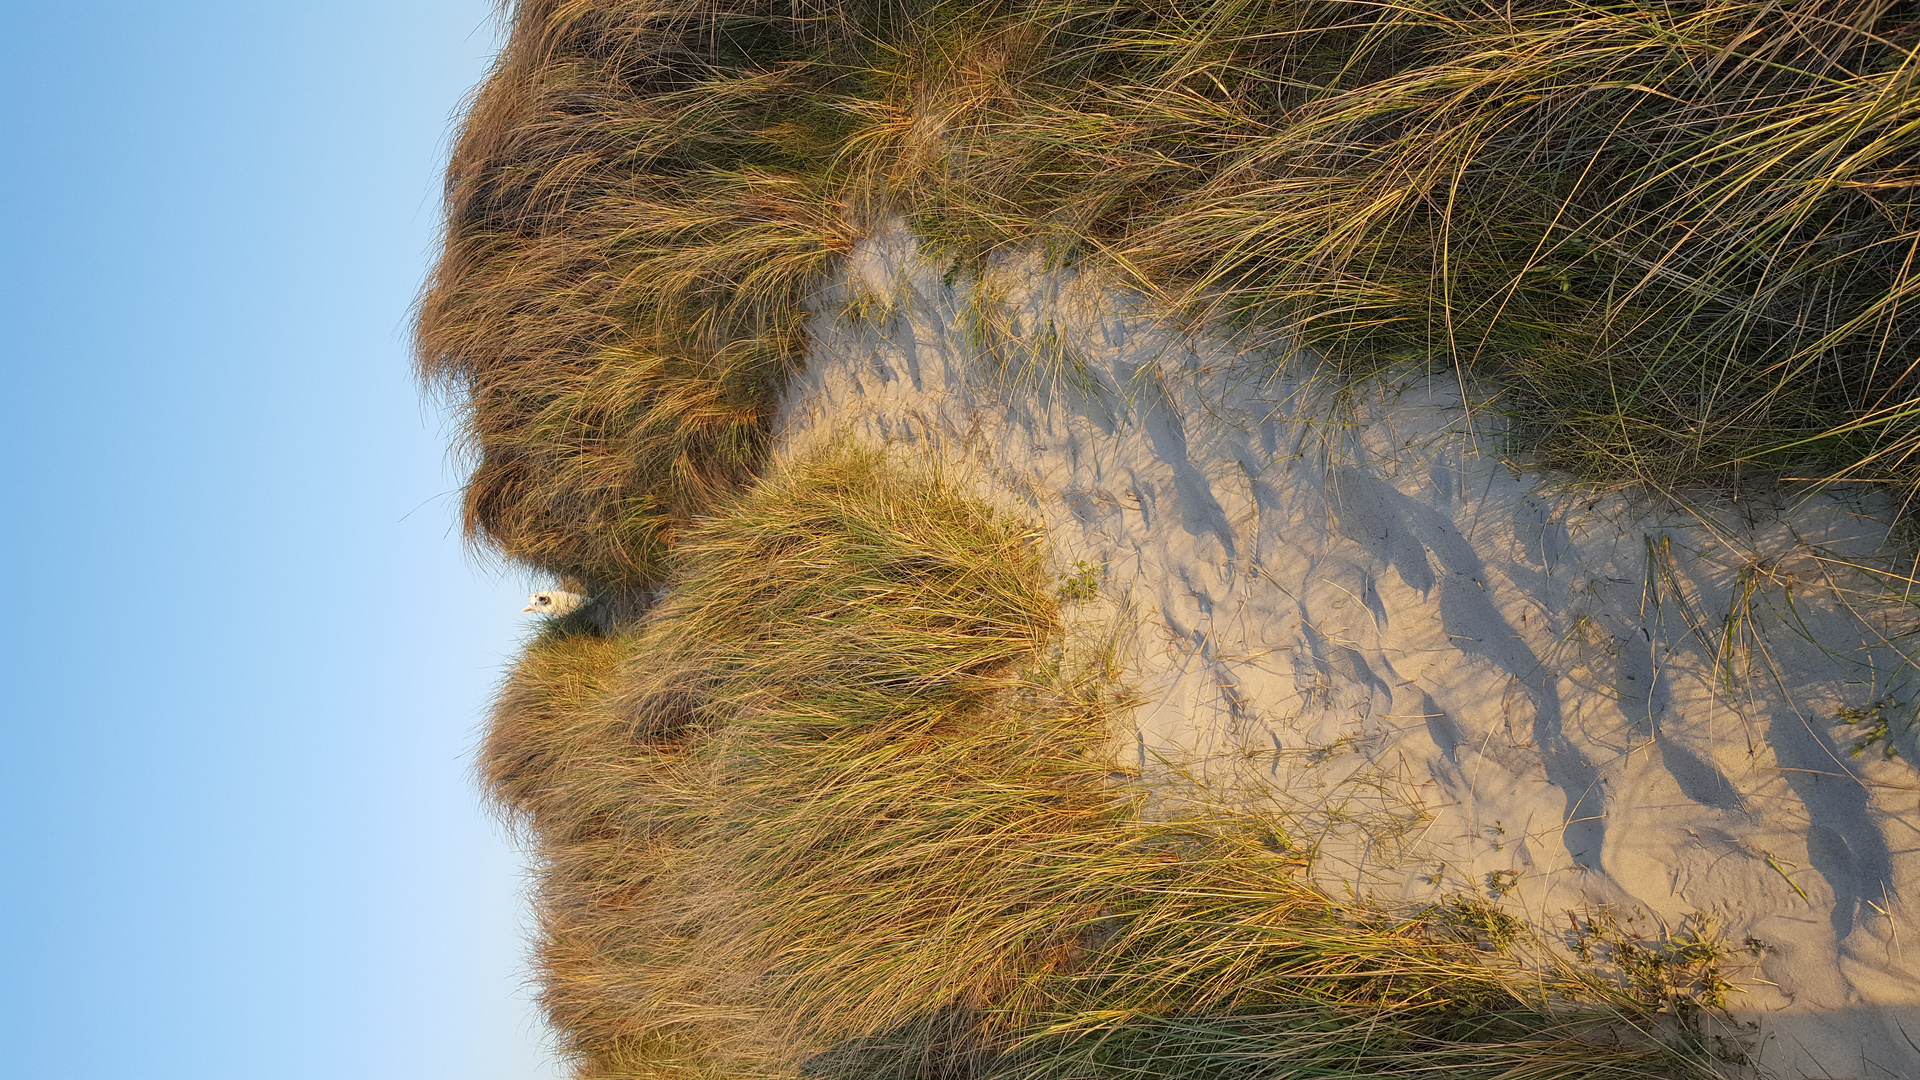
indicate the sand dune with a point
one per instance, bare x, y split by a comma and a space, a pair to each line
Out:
1454, 675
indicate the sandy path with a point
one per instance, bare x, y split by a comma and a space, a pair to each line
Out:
1450, 674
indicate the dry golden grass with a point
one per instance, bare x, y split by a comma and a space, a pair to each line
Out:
1679, 236
841, 804
840, 799
616, 303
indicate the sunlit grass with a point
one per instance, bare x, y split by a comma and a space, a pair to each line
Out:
842, 802
1680, 237
841, 798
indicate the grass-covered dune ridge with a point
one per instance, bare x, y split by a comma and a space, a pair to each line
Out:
841, 804
1679, 237
819, 783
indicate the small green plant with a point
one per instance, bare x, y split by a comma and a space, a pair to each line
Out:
1082, 582
1473, 920
1875, 727
1500, 882
1680, 971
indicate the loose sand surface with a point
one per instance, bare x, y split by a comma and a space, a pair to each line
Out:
1452, 675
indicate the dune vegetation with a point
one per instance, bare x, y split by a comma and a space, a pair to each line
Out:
1681, 237
842, 803
820, 782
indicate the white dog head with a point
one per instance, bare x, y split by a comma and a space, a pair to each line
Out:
553, 602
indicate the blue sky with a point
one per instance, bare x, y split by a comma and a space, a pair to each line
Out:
246, 656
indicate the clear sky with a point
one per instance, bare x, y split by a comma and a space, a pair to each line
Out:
246, 657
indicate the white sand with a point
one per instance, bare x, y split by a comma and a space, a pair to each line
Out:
1348, 611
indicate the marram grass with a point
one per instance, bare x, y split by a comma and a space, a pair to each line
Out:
841, 805
1679, 238
838, 803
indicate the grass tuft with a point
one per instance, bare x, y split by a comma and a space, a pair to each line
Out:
841, 804
1679, 237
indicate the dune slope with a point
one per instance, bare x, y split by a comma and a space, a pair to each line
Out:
1608, 713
